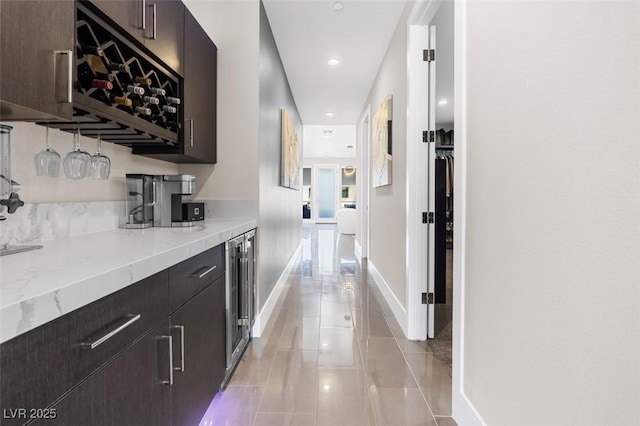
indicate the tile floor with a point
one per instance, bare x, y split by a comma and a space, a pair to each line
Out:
333, 354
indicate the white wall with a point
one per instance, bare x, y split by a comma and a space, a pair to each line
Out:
387, 206
317, 145
552, 324
235, 28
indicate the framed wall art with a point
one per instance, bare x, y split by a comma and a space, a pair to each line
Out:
291, 164
381, 144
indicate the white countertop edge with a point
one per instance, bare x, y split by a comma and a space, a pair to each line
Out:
22, 313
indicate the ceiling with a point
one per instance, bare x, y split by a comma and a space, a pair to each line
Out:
310, 32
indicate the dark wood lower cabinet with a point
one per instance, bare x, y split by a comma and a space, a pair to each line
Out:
126, 391
160, 366
201, 323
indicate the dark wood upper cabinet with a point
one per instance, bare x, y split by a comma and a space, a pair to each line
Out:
164, 33
36, 49
129, 14
199, 100
200, 63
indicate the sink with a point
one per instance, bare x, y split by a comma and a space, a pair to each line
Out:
17, 249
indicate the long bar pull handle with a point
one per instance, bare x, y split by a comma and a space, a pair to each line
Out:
155, 22
204, 271
190, 132
170, 381
181, 328
130, 319
144, 18
69, 55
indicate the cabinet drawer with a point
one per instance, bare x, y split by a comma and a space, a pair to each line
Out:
188, 278
41, 365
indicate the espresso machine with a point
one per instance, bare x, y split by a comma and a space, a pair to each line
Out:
156, 200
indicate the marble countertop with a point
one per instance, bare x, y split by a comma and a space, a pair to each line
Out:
41, 285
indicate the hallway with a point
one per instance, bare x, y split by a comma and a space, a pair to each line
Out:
333, 354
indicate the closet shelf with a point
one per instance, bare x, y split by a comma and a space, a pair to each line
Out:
444, 146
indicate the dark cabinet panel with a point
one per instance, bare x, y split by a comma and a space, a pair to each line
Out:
127, 391
191, 276
164, 35
201, 323
129, 14
36, 47
200, 76
38, 367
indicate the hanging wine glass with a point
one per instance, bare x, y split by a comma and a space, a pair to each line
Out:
77, 163
100, 163
48, 160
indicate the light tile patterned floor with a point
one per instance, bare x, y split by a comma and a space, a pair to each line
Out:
333, 354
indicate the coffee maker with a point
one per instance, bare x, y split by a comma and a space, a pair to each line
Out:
167, 210
156, 200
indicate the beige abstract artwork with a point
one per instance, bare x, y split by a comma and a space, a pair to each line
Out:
381, 144
291, 154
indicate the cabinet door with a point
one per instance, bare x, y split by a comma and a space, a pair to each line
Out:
200, 79
201, 323
37, 46
127, 391
129, 14
164, 35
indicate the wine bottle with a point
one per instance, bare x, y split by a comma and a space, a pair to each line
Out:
157, 91
121, 100
151, 100
97, 64
91, 50
102, 84
143, 110
170, 109
172, 100
143, 80
114, 66
135, 89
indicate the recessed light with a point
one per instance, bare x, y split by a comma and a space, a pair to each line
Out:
443, 102
330, 114
338, 6
333, 62
349, 146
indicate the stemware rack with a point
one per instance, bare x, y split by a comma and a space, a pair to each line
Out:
108, 55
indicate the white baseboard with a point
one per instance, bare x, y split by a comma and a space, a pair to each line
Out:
262, 318
464, 413
399, 312
357, 251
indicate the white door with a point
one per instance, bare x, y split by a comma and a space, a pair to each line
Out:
326, 193
431, 189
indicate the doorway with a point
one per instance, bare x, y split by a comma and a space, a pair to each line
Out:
325, 194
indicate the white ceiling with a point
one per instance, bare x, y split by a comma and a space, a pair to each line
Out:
309, 32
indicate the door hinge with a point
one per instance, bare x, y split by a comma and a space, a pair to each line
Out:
429, 55
427, 298
428, 217
428, 136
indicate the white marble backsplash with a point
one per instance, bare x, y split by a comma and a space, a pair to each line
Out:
35, 223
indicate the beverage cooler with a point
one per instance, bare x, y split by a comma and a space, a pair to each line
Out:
239, 297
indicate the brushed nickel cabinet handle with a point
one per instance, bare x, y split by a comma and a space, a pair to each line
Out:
130, 319
181, 328
205, 270
170, 381
144, 18
69, 55
190, 120
155, 22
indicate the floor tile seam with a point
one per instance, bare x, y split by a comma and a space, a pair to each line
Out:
415, 378
273, 360
407, 363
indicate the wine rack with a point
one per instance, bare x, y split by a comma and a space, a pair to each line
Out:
121, 92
